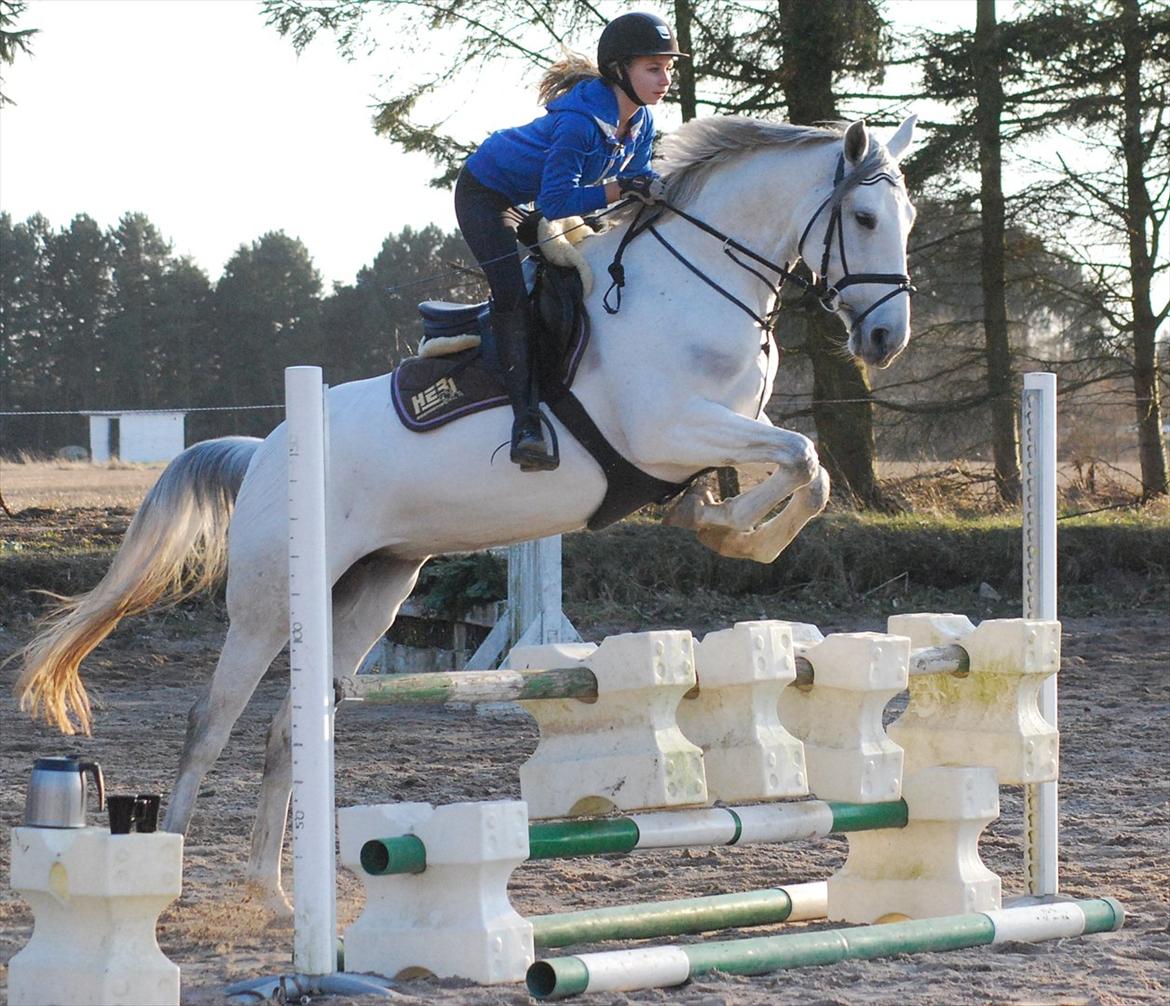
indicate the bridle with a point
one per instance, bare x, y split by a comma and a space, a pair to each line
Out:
829, 296
826, 294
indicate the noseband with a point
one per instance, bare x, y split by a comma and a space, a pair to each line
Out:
828, 296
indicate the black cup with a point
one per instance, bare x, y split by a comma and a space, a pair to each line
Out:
122, 813
146, 812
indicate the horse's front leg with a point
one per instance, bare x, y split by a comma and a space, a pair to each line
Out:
737, 527
698, 510
766, 541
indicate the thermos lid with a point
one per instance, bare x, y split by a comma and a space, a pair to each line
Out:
61, 763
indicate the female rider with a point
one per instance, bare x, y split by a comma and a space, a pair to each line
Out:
591, 148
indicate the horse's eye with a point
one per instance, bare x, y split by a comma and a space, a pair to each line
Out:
867, 220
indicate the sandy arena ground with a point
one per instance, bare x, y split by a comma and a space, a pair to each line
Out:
1115, 836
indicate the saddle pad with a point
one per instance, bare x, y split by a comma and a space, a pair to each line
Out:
431, 391
428, 392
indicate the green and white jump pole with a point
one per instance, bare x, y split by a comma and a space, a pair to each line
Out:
794, 903
715, 826
665, 967
681, 829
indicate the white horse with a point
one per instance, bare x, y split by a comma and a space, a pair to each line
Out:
675, 381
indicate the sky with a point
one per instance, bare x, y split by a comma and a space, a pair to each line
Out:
199, 115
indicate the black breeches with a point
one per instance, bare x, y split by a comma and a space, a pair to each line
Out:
489, 221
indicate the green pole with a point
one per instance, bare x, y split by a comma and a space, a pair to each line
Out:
759, 955
564, 839
869, 816
664, 918
601, 836
401, 854
663, 967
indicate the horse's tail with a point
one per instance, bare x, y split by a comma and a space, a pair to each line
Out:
176, 546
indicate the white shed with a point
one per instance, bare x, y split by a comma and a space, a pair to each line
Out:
136, 436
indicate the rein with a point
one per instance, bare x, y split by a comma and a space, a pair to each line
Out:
828, 296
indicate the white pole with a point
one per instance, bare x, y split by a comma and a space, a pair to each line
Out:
1038, 449
533, 616
310, 660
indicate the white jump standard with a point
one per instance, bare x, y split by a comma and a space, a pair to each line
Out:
803, 714
312, 702
915, 857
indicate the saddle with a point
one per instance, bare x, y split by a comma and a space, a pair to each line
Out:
457, 373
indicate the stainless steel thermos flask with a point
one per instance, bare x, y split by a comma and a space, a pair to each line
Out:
57, 792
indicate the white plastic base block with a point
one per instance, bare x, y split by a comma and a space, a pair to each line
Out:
96, 898
839, 719
453, 920
991, 716
625, 750
747, 753
932, 866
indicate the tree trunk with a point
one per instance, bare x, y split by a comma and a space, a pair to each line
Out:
844, 431
843, 415
686, 67
997, 351
727, 479
1139, 212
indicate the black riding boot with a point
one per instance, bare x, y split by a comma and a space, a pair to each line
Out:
529, 450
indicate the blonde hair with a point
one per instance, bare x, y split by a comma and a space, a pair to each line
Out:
565, 74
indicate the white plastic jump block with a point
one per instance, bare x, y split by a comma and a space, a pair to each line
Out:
932, 866
96, 898
839, 718
991, 716
625, 750
747, 753
454, 919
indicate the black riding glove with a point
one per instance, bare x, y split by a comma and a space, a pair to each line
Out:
649, 188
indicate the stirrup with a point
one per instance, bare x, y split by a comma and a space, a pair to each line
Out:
527, 451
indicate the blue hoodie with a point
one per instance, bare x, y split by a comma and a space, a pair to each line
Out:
560, 160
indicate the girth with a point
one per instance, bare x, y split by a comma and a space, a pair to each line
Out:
627, 487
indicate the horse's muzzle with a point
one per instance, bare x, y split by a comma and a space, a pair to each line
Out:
878, 345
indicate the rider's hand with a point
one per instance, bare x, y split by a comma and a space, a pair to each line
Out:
649, 188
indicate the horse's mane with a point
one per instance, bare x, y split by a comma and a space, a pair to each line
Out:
690, 154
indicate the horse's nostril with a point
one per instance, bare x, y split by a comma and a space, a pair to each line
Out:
879, 337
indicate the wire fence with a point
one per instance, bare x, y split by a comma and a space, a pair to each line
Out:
15, 413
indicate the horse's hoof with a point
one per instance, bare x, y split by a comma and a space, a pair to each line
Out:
732, 544
276, 903
280, 907
685, 513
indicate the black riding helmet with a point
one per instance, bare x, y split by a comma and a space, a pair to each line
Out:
628, 36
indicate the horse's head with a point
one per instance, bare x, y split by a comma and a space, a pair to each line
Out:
866, 222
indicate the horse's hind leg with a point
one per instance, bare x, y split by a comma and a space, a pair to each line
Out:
365, 602
254, 638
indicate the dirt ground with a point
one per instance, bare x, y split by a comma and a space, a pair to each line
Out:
1114, 841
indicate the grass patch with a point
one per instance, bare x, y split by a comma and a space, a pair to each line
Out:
845, 562
846, 555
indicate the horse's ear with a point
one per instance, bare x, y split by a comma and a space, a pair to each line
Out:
900, 142
856, 142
